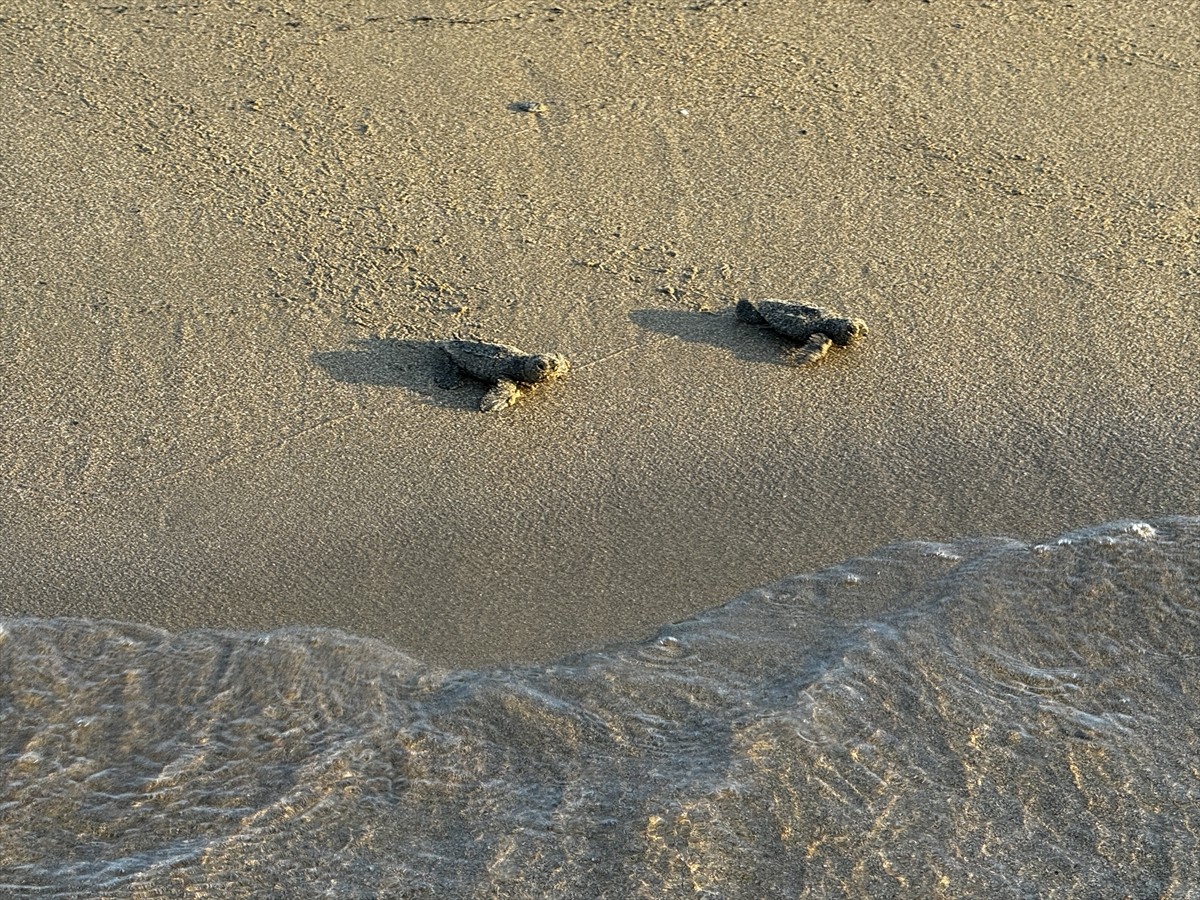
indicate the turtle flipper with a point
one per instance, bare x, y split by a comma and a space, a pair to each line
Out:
501, 396
811, 351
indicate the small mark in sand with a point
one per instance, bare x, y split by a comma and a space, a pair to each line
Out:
529, 106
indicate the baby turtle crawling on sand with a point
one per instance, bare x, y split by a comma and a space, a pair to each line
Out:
510, 370
816, 329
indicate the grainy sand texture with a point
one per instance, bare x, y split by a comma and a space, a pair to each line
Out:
231, 232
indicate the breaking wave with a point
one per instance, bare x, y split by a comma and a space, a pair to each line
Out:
980, 718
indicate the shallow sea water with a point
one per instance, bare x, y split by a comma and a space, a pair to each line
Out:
984, 718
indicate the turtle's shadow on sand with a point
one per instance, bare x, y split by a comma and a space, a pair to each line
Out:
420, 366
749, 342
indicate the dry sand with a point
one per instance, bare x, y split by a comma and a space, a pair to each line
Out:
231, 230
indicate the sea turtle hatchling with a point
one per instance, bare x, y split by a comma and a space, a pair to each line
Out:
814, 328
509, 370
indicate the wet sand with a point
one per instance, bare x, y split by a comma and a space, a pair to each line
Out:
232, 235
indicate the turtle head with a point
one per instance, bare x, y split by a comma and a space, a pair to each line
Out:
847, 331
544, 367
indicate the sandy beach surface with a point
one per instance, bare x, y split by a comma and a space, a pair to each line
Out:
232, 231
